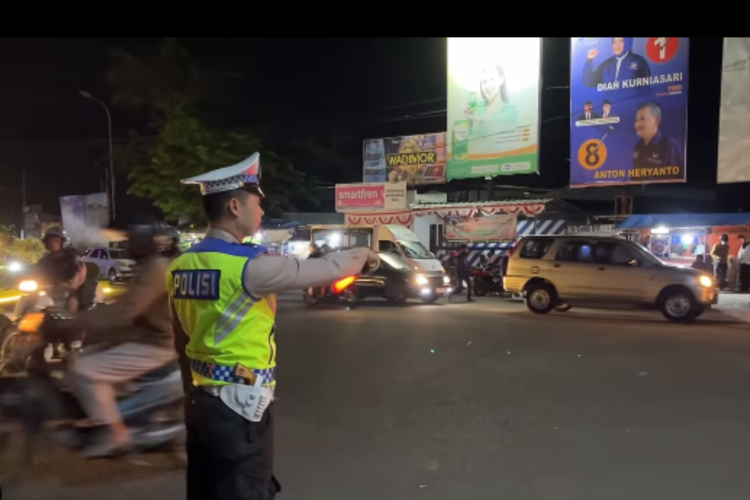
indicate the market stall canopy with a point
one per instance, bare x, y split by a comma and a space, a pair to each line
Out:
674, 221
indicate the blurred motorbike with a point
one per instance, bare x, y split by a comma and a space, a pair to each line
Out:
343, 290
37, 401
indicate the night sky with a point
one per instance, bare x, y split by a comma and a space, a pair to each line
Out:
340, 89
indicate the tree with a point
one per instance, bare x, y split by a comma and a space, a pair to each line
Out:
186, 147
29, 250
168, 85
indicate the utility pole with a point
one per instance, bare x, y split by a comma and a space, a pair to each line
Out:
23, 204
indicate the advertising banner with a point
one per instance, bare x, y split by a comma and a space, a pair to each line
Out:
628, 110
416, 159
500, 227
493, 106
734, 115
83, 216
372, 196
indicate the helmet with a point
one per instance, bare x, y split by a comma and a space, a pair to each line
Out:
454, 253
56, 232
143, 239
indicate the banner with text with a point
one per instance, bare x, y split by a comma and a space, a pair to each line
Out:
493, 106
734, 115
628, 101
83, 217
371, 196
499, 227
416, 159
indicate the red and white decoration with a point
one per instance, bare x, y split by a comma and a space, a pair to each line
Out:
369, 219
529, 209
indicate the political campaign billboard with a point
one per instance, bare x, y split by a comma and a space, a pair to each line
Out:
493, 106
416, 159
628, 122
734, 115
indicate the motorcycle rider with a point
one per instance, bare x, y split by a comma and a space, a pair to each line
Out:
136, 333
224, 304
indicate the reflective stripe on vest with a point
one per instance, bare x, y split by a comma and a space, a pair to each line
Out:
226, 324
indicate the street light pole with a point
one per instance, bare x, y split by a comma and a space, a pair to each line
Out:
111, 189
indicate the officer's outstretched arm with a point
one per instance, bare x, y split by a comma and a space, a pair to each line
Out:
273, 273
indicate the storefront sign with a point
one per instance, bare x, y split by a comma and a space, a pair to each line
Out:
372, 196
500, 227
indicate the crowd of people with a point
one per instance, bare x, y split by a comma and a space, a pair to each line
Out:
732, 272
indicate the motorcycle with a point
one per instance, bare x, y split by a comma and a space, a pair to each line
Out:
486, 282
342, 290
38, 402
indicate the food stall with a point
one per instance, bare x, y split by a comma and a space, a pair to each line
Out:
678, 238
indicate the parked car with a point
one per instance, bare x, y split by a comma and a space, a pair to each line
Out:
558, 272
114, 264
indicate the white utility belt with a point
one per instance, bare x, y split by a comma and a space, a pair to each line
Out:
248, 401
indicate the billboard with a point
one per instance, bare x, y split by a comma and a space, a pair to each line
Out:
372, 196
493, 106
416, 159
734, 115
499, 227
83, 216
628, 104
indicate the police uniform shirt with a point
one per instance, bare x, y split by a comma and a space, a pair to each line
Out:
662, 151
268, 274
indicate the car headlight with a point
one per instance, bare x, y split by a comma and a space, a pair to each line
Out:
421, 279
446, 280
705, 281
28, 286
14, 267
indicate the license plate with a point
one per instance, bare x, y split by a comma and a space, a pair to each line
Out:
442, 290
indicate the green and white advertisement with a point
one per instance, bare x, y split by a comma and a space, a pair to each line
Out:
493, 107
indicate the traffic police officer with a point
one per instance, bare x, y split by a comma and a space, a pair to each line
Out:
224, 308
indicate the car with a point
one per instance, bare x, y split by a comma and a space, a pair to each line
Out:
113, 263
558, 272
397, 280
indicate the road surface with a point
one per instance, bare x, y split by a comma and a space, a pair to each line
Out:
484, 401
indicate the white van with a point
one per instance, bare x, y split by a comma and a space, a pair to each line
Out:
380, 238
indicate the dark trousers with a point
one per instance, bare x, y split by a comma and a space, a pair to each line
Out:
720, 271
229, 458
460, 286
745, 278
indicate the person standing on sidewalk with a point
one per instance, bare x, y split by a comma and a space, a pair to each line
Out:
463, 272
720, 253
743, 260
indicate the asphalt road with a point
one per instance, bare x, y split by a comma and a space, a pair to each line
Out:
484, 401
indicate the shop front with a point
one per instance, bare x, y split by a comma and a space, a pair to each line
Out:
678, 238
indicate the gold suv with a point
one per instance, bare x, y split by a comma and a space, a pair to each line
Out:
556, 272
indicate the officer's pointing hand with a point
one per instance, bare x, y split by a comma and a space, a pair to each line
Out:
366, 256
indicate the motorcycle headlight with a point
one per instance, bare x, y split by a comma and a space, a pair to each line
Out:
705, 281
446, 280
28, 286
420, 279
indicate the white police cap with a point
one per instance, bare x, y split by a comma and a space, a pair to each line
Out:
244, 173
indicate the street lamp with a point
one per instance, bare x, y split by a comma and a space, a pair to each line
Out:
111, 189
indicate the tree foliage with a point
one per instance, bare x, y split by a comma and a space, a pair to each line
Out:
182, 143
29, 250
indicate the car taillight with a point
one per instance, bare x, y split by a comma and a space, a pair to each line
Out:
343, 284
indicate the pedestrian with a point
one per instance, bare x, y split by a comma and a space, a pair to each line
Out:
720, 253
743, 259
700, 264
222, 295
463, 272
733, 272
